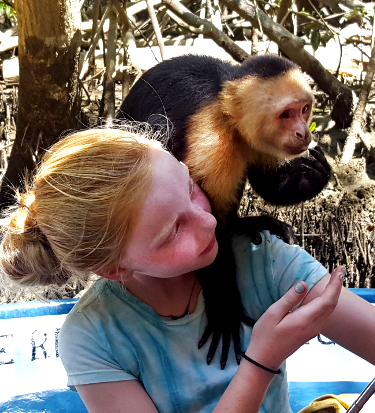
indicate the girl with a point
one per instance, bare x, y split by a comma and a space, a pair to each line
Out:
114, 203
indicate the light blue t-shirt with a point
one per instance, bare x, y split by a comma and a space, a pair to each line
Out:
110, 335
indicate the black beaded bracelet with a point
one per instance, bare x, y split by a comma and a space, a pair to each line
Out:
260, 365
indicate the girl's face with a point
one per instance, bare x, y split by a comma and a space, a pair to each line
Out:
175, 231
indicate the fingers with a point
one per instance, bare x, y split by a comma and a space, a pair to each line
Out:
226, 336
213, 346
318, 154
205, 336
320, 308
288, 301
333, 288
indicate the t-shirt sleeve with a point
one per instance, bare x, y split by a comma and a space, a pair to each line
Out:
87, 356
265, 272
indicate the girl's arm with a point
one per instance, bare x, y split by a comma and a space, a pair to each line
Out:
127, 396
276, 335
351, 324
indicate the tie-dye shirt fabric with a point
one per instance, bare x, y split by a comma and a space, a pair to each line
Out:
110, 335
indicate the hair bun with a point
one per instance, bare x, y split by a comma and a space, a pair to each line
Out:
26, 255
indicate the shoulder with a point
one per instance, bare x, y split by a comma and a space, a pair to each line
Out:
265, 272
92, 334
84, 318
272, 252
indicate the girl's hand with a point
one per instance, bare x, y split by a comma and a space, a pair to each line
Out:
280, 332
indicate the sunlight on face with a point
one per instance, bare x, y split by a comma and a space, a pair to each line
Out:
175, 231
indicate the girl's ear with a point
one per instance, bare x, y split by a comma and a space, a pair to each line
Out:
117, 274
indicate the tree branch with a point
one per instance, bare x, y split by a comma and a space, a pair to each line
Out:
208, 29
155, 26
293, 47
355, 128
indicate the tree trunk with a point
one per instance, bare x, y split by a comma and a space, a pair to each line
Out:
355, 128
49, 101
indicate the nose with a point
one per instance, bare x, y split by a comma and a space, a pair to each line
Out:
302, 133
207, 220
204, 219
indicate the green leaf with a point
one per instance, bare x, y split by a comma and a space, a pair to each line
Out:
315, 39
312, 126
8, 11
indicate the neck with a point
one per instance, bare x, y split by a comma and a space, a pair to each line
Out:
167, 296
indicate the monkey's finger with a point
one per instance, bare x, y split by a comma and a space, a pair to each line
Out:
318, 151
247, 320
282, 230
310, 178
318, 154
255, 237
213, 346
205, 336
314, 165
225, 349
237, 344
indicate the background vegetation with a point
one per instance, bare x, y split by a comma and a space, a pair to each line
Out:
68, 64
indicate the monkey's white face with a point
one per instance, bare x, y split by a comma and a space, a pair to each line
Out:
292, 125
174, 233
274, 120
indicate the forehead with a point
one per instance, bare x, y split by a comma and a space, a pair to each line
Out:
168, 186
273, 94
167, 171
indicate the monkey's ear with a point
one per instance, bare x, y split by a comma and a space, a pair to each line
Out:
117, 274
231, 100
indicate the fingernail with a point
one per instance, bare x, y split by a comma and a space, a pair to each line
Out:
299, 288
343, 274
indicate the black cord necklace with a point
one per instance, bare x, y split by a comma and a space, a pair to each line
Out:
186, 312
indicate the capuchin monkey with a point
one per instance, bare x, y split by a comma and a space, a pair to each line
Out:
227, 123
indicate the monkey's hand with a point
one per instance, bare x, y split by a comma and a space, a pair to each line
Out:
299, 180
223, 302
253, 226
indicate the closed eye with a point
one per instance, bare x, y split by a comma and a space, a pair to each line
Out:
173, 233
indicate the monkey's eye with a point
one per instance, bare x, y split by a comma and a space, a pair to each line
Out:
305, 109
286, 114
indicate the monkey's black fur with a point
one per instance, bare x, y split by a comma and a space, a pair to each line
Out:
179, 87
169, 94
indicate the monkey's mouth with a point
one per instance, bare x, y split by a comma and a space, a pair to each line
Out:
296, 150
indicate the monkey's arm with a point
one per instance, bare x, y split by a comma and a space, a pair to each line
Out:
294, 182
222, 301
297, 181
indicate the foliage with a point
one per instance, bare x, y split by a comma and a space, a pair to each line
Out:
7, 10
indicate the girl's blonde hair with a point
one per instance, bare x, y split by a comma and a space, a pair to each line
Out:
75, 217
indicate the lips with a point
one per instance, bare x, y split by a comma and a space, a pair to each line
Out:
297, 150
210, 246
